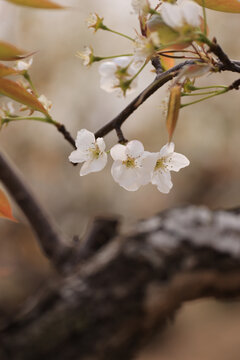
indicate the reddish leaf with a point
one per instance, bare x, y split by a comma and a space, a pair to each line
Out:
17, 92
167, 63
10, 52
40, 4
173, 110
6, 70
232, 6
5, 208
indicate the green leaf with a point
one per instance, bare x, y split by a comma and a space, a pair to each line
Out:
17, 92
232, 6
9, 52
40, 4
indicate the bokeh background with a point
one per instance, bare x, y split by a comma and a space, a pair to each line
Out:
207, 133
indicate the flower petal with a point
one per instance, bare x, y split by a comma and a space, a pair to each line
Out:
147, 167
167, 149
118, 152
107, 68
109, 84
101, 144
176, 161
122, 61
172, 15
78, 156
85, 140
163, 181
134, 149
94, 165
128, 178
191, 13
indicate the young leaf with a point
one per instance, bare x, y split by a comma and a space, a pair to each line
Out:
6, 70
232, 6
173, 110
17, 92
40, 4
9, 52
5, 208
167, 63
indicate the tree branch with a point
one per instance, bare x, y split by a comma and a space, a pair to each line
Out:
51, 241
160, 80
124, 294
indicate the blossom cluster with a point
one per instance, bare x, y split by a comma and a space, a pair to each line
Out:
132, 166
172, 26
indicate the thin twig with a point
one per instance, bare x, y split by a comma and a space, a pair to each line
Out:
159, 81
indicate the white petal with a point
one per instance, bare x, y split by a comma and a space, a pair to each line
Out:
163, 181
94, 165
122, 61
109, 84
101, 144
85, 140
118, 152
148, 163
176, 161
190, 13
126, 177
134, 149
78, 156
172, 15
167, 149
107, 68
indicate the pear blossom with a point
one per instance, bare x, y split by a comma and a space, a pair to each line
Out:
140, 6
86, 56
177, 15
115, 75
144, 48
167, 160
132, 165
90, 152
94, 21
23, 65
45, 102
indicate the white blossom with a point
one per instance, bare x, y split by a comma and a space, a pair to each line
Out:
140, 6
167, 160
90, 152
143, 48
86, 55
94, 21
23, 65
115, 74
47, 104
180, 14
132, 165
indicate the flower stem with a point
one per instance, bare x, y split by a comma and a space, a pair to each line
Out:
29, 80
205, 98
98, 58
118, 33
204, 17
140, 70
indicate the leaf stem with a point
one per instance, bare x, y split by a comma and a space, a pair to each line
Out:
205, 98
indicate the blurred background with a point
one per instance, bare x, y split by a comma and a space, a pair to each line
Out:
207, 133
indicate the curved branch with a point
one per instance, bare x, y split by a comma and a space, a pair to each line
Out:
160, 80
52, 242
125, 293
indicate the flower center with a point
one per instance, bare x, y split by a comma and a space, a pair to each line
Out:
95, 152
129, 163
160, 164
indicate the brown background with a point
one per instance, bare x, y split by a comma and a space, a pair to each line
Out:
208, 134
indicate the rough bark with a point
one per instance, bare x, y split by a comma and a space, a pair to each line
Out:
117, 298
